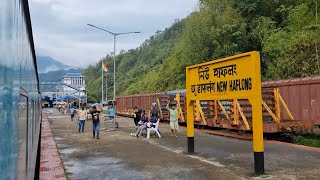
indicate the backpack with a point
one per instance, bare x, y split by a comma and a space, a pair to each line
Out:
95, 116
154, 112
72, 111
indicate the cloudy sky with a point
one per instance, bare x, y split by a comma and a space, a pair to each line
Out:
60, 30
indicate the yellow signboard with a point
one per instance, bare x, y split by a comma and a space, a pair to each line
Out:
235, 77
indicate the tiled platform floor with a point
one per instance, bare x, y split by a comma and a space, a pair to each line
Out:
51, 167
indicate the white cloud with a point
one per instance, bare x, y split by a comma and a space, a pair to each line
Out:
60, 29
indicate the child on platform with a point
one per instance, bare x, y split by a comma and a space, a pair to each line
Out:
174, 123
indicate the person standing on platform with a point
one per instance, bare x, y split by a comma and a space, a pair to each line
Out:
112, 115
95, 122
72, 112
154, 113
174, 123
136, 115
112, 112
82, 118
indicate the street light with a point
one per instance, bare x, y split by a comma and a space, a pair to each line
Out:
114, 53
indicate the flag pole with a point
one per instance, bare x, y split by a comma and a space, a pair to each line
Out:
107, 87
102, 82
105, 68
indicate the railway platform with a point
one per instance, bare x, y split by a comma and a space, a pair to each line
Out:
119, 156
50, 163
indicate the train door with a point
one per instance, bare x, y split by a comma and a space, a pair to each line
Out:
23, 136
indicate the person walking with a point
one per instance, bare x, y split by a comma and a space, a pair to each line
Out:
95, 122
174, 124
63, 107
82, 119
72, 112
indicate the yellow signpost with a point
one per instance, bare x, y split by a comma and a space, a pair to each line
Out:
235, 77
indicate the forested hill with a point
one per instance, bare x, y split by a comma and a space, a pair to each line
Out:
284, 31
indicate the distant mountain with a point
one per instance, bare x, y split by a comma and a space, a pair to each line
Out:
56, 76
46, 64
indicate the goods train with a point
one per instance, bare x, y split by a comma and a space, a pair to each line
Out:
20, 99
288, 106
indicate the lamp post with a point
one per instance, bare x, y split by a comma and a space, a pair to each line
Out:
114, 53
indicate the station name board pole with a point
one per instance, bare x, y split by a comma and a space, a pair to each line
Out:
235, 77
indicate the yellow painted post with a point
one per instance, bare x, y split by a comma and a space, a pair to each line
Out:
257, 128
197, 112
235, 113
223, 110
235, 77
190, 116
276, 103
190, 126
270, 112
215, 110
180, 113
242, 115
160, 109
286, 107
201, 114
257, 123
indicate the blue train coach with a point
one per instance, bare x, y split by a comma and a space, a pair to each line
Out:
20, 100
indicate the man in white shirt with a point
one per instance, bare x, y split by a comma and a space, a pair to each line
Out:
82, 118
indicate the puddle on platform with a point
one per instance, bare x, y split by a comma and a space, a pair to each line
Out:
69, 150
58, 138
57, 117
98, 167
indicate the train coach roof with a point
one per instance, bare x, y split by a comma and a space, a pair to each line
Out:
290, 82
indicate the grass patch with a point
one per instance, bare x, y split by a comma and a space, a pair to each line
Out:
308, 139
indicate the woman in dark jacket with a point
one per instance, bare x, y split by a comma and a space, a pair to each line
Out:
143, 121
136, 115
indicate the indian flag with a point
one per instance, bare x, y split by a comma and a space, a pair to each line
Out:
105, 67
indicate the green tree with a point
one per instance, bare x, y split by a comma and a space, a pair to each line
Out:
284, 31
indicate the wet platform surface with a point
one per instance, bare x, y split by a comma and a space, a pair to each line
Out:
119, 156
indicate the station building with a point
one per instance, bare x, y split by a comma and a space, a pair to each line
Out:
75, 80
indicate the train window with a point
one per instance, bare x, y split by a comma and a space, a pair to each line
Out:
23, 132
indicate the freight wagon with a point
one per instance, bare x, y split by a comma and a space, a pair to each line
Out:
288, 105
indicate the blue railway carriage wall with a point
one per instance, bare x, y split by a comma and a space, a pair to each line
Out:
20, 106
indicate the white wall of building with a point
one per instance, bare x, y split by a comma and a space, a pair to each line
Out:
75, 80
